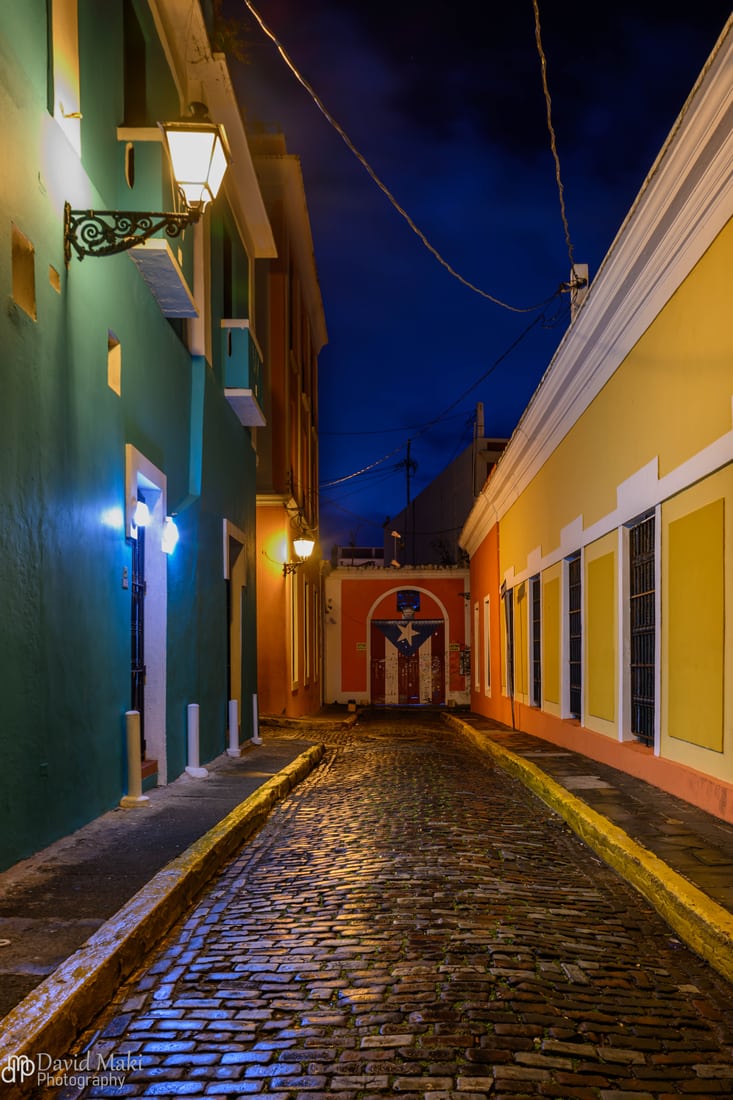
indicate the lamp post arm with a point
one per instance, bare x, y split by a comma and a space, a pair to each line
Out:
104, 232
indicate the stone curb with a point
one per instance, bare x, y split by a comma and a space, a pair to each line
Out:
309, 722
704, 925
51, 1017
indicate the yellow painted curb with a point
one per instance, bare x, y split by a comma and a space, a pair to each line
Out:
699, 921
50, 1018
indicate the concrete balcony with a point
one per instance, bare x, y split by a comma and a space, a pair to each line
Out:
242, 370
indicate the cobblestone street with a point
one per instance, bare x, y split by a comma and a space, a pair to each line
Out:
411, 920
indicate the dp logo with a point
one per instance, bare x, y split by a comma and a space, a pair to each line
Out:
17, 1068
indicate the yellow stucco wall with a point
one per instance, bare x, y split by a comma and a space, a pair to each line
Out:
601, 633
672, 394
697, 525
551, 639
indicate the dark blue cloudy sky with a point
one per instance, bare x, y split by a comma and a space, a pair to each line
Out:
445, 101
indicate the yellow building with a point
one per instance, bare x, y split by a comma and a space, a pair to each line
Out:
602, 544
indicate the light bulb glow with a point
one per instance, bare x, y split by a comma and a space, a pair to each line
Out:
141, 516
171, 535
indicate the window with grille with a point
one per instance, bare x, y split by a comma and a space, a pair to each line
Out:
642, 628
509, 616
575, 636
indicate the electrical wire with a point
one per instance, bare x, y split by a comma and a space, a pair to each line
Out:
553, 142
430, 423
382, 186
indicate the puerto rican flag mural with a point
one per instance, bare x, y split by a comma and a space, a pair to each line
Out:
408, 662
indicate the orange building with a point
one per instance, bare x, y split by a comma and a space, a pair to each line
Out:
289, 307
397, 637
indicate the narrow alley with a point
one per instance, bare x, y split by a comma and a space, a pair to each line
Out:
412, 920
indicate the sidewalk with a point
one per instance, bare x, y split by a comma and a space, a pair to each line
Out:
77, 918
679, 857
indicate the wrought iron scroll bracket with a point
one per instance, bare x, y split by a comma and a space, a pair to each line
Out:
104, 232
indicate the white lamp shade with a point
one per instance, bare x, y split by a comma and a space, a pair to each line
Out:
199, 159
303, 547
170, 537
141, 516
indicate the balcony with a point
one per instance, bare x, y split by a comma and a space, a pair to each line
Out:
242, 370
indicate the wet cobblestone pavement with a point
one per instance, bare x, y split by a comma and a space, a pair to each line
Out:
413, 921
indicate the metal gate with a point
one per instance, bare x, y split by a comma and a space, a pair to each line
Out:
643, 629
575, 635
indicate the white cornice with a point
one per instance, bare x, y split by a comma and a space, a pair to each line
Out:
203, 76
684, 203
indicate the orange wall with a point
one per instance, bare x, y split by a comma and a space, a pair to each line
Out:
357, 599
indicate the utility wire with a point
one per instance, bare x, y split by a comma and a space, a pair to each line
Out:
430, 423
382, 186
553, 143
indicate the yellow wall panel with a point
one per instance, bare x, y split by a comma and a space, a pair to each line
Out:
601, 635
695, 632
551, 639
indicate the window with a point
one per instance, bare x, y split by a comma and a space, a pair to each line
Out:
307, 631
642, 596
476, 649
114, 363
508, 597
135, 75
535, 641
575, 636
24, 280
487, 645
64, 99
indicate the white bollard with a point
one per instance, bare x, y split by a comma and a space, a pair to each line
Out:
234, 749
134, 796
256, 739
193, 743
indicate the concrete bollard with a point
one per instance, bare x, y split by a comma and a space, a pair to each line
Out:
234, 749
256, 739
134, 796
193, 767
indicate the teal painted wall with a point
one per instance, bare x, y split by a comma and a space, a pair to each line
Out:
65, 615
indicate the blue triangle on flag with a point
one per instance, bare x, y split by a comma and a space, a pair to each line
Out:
407, 635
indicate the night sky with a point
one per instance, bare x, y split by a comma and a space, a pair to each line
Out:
445, 102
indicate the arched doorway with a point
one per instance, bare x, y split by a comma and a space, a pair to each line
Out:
407, 664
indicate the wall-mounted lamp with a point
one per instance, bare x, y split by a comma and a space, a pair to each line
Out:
303, 541
141, 516
199, 157
303, 547
170, 537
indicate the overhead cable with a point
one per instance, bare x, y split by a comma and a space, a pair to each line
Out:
382, 186
430, 423
553, 143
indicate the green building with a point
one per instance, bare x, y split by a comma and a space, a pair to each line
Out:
126, 377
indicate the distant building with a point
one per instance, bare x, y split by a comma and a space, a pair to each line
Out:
602, 544
397, 637
427, 532
368, 557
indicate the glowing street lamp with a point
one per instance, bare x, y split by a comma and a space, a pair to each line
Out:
199, 156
